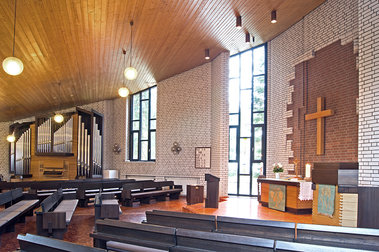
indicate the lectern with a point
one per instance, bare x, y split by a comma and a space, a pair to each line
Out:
212, 191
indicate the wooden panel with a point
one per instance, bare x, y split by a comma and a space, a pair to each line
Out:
292, 196
323, 219
81, 46
368, 205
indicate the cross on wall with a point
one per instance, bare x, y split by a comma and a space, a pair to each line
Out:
320, 117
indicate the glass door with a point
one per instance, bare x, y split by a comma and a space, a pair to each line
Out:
247, 117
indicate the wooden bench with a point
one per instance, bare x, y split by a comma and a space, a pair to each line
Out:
284, 246
192, 240
123, 236
145, 191
15, 209
106, 207
277, 230
201, 222
54, 215
33, 243
345, 237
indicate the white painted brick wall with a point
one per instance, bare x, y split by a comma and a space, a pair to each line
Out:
333, 20
368, 137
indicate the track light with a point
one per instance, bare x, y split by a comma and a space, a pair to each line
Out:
239, 22
273, 17
247, 38
207, 54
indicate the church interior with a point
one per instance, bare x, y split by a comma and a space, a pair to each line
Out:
196, 125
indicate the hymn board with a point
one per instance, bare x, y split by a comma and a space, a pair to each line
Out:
46, 150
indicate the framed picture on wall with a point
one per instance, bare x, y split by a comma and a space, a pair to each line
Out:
203, 157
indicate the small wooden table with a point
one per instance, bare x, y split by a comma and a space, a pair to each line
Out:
293, 204
195, 194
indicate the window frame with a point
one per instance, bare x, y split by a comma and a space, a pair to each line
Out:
139, 131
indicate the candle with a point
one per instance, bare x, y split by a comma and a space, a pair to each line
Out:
308, 170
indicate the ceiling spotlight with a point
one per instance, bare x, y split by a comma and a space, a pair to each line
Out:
239, 22
58, 118
247, 38
207, 54
123, 92
273, 17
11, 138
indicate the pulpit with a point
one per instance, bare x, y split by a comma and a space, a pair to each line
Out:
212, 191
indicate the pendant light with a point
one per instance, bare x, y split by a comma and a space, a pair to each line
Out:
58, 117
238, 22
207, 57
11, 138
123, 91
273, 17
130, 72
13, 65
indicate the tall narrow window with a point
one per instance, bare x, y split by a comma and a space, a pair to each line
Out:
143, 119
247, 120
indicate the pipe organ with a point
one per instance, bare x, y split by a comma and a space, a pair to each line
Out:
68, 150
20, 149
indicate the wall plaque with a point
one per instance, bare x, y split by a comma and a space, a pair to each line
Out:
203, 157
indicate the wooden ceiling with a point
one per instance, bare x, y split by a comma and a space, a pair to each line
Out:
79, 44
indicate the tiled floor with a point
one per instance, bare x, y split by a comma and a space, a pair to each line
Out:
82, 223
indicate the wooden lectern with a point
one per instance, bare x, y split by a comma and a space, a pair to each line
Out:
212, 191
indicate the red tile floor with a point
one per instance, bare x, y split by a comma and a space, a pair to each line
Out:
82, 223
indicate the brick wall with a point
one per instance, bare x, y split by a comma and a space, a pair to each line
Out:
368, 148
330, 22
191, 110
331, 74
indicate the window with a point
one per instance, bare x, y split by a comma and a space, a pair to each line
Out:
247, 120
143, 122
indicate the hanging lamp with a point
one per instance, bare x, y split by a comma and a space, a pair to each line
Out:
11, 138
12, 65
58, 117
123, 91
130, 72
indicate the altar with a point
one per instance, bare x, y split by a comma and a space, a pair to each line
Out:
283, 194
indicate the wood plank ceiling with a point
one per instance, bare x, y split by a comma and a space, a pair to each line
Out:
79, 44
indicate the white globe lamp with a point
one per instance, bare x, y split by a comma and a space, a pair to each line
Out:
13, 66
123, 92
58, 118
11, 138
130, 73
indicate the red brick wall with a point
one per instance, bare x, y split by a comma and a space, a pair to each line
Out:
331, 74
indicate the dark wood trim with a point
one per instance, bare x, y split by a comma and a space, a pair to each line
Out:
278, 182
55, 154
292, 210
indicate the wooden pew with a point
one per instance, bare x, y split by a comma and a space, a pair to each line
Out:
201, 222
54, 215
35, 243
284, 246
16, 208
277, 230
123, 236
192, 240
345, 237
106, 207
148, 190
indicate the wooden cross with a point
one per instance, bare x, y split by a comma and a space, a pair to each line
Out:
320, 115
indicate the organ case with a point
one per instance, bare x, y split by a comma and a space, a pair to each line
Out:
68, 150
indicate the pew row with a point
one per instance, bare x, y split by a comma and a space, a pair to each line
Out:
16, 208
35, 243
106, 207
54, 215
118, 236
343, 237
201, 222
148, 190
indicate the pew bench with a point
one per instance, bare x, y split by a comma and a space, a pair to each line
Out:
201, 222
148, 190
86, 196
284, 246
54, 215
345, 237
193, 240
33, 243
127, 236
277, 230
106, 207
16, 208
